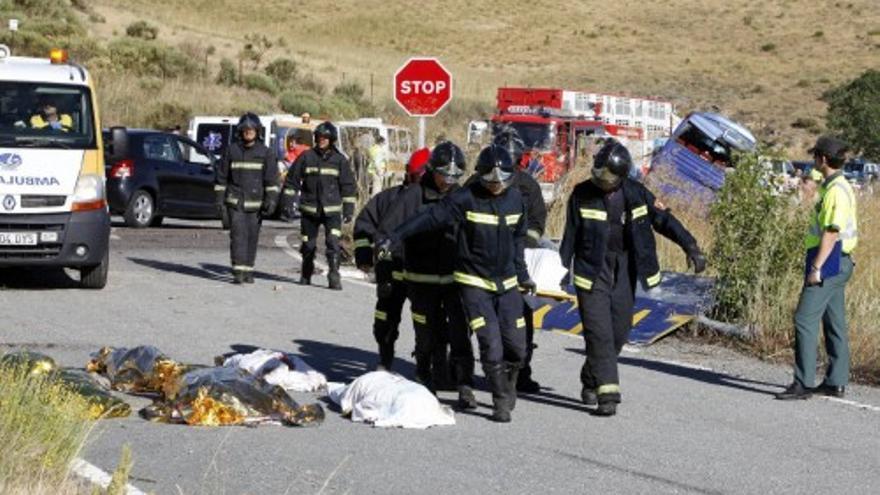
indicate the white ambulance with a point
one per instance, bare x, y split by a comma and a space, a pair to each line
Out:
53, 207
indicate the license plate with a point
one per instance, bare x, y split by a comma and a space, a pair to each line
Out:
18, 239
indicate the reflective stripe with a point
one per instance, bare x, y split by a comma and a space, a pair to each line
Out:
483, 283
308, 209
478, 323
639, 212
231, 201
336, 232
534, 234
653, 279
381, 315
333, 209
362, 243
242, 268
272, 188
246, 166
583, 282
591, 214
399, 276
512, 219
420, 318
218, 187
520, 323
252, 204
484, 218
305, 238
608, 388
321, 171
425, 278
349, 199
289, 192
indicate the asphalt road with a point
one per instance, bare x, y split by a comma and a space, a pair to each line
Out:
695, 419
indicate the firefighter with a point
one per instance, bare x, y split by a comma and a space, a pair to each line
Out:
608, 233
390, 284
323, 179
247, 186
490, 225
536, 213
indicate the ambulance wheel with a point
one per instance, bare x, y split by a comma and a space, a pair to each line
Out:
95, 277
140, 211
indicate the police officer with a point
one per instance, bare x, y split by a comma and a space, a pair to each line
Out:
323, 179
608, 233
536, 213
832, 237
490, 222
390, 284
246, 185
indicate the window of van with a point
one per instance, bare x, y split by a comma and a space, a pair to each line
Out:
46, 115
393, 141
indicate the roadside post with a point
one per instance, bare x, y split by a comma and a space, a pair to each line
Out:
422, 87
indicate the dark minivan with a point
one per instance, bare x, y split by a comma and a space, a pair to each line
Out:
162, 175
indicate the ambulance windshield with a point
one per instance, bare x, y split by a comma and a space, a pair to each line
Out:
38, 115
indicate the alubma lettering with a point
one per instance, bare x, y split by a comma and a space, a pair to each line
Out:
19, 180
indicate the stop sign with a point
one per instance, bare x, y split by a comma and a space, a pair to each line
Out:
422, 86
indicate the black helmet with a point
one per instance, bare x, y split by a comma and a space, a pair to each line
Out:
495, 165
611, 164
448, 160
509, 139
327, 130
249, 121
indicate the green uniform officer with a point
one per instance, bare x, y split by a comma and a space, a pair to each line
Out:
822, 299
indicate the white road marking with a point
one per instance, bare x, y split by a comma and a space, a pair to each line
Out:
853, 403
98, 476
354, 276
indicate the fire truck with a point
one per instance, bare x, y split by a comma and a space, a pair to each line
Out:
557, 126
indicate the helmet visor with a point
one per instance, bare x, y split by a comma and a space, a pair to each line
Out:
451, 170
497, 175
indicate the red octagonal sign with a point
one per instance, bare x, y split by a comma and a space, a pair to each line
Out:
422, 86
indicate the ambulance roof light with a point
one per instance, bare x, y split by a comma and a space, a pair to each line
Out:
58, 56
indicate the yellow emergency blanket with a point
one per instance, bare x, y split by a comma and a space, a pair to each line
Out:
229, 396
140, 370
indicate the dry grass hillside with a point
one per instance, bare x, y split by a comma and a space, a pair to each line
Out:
766, 63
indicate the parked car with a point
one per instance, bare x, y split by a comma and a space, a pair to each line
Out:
861, 172
161, 175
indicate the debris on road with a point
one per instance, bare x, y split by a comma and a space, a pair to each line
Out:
286, 370
389, 400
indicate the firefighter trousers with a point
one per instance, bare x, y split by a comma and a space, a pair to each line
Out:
497, 320
309, 225
606, 313
387, 319
526, 372
244, 234
439, 322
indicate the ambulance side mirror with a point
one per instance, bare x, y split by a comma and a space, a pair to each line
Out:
118, 143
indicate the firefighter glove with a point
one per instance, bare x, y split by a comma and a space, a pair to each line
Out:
269, 206
383, 249
529, 286
696, 259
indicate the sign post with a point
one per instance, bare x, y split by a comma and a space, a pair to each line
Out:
422, 87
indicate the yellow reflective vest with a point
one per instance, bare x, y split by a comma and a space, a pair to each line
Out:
836, 210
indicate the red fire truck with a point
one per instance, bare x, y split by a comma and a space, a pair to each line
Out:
556, 125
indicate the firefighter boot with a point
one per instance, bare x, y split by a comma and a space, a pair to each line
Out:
334, 281
525, 384
423, 371
308, 267
499, 384
237, 277
607, 401
588, 396
512, 372
248, 277
386, 356
464, 372
440, 372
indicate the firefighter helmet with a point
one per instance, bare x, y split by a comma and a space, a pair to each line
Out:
415, 167
611, 164
495, 167
509, 139
448, 160
249, 121
327, 130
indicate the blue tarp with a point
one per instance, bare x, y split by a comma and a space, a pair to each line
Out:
676, 301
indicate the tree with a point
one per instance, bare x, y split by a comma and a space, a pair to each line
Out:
854, 112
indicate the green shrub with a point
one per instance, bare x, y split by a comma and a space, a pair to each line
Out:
299, 102
282, 70
854, 112
143, 58
260, 82
768, 47
166, 115
143, 30
338, 107
311, 83
757, 250
228, 74
350, 90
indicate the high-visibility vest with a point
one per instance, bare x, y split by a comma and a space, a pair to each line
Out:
38, 122
836, 210
377, 159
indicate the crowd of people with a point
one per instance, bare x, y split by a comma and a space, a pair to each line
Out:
454, 247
